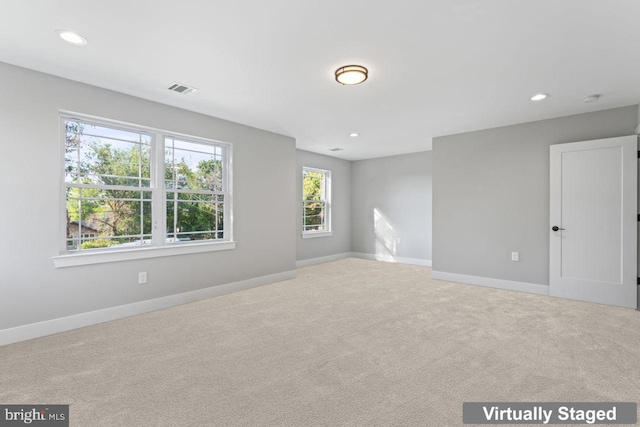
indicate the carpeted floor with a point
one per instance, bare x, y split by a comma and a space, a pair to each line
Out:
347, 343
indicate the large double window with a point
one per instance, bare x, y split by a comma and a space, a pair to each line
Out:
316, 201
128, 186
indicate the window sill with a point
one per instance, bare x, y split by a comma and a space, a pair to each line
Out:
100, 257
314, 234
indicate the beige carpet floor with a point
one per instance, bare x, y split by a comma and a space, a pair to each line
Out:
347, 343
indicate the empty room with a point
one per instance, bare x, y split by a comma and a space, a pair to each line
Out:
297, 213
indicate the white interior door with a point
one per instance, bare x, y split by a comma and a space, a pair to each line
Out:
593, 230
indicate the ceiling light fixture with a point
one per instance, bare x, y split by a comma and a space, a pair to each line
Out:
591, 98
351, 74
354, 135
539, 97
71, 37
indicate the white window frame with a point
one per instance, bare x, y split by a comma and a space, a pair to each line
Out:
328, 231
159, 246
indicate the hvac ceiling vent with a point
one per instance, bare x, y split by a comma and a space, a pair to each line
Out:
180, 88
336, 149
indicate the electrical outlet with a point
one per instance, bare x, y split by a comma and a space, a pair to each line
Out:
142, 277
515, 256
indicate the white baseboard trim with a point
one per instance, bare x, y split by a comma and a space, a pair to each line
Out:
510, 285
62, 324
390, 258
322, 259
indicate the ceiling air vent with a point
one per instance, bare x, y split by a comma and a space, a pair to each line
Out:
336, 149
180, 88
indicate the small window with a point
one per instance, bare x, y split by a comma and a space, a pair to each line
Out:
316, 199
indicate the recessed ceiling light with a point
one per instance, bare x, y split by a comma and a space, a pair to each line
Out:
71, 37
591, 98
351, 74
539, 96
354, 135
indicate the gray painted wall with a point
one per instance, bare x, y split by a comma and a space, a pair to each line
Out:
491, 193
340, 241
31, 290
391, 206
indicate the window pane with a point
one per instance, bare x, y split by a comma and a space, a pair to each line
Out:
314, 214
313, 185
109, 132
102, 158
193, 166
194, 216
108, 242
105, 218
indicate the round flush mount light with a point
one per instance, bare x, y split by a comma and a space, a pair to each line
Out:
591, 98
539, 96
354, 135
351, 74
71, 37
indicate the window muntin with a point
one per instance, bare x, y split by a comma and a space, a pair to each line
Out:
111, 187
316, 190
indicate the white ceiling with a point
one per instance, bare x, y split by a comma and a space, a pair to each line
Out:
436, 67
